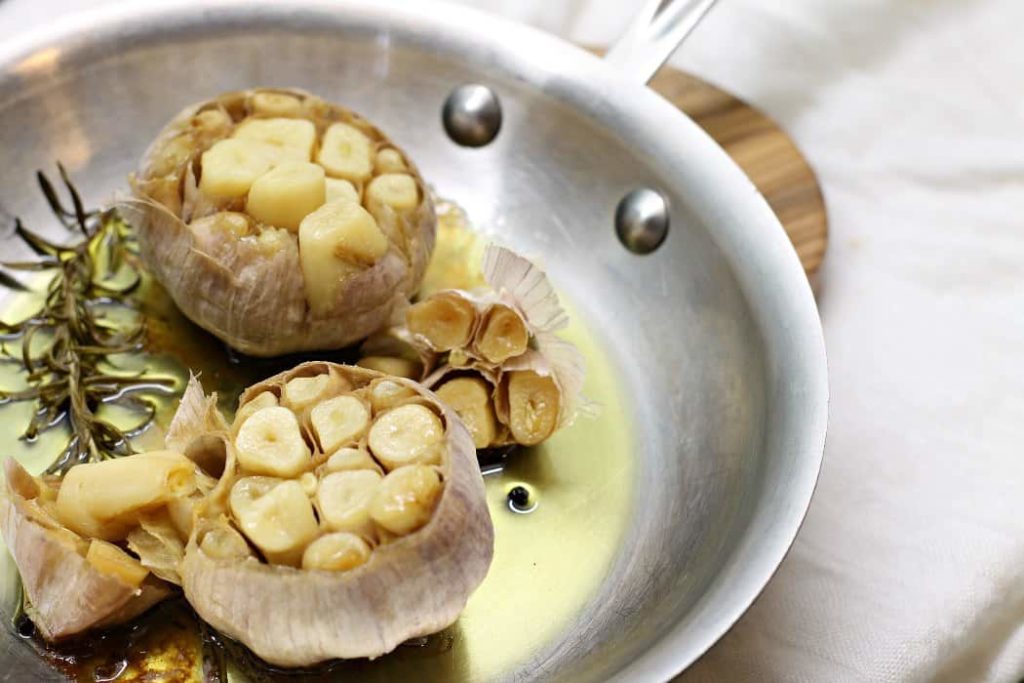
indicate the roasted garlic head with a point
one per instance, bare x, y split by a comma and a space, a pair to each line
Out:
492, 354
350, 515
280, 222
102, 545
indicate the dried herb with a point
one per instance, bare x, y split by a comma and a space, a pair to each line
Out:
67, 347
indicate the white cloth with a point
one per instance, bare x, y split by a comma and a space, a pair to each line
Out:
911, 563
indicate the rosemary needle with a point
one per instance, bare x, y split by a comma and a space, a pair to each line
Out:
67, 344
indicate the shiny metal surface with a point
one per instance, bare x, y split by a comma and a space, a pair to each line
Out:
715, 337
654, 34
642, 220
472, 115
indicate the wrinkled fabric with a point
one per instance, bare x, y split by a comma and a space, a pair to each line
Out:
910, 565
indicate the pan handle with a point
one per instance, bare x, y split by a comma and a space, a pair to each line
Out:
654, 34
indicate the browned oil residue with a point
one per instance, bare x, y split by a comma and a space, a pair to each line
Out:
164, 645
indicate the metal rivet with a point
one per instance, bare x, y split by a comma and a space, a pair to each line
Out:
472, 115
641, 220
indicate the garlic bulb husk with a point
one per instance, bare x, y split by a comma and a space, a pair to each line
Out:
67, 594
507, 342
235, 265
404, 586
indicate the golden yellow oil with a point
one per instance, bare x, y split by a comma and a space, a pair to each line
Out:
548, 563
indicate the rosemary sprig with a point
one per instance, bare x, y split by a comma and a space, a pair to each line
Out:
66, 346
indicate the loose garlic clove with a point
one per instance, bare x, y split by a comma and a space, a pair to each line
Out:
336, 552
341, 189
408, 434
111, 560
502, 335
222, 542
343, 499
104, 499
346, 459
396, 190
470, 397
270, 442
286, 194
533, 403
279, 521
305, 391
386, 394
338, 421
445, 320
264, 400
276, 104
230, 167
335, 242
390, 365
389, 160
345, 152
406, 498
293, 139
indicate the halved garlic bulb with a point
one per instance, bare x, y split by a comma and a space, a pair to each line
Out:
338, 222
401, 533
76, 582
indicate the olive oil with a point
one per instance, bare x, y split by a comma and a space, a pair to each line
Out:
551, 555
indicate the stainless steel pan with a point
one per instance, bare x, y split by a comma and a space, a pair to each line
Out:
714, 336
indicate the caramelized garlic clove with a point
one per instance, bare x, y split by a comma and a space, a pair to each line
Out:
471, 398
301, 392
108, 559
276, 516
395, 190
445, 320
265, 399
277, 104
533, 403
345, 459
339, 421
104, 499
346, 152
286, 194
343, 499
223, 542
230, 167
386, 394
405, 499
292, 139
337, 552
270, 442
341, 189
408, 434
336, 242
389, 160
391, 365
502, 334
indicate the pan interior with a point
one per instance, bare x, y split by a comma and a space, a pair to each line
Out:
680, 366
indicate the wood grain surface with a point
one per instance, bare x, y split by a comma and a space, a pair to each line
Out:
764, 152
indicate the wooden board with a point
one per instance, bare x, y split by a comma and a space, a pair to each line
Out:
764, 152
